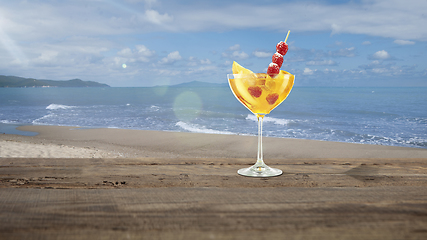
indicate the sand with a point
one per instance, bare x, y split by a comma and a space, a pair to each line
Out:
72, 183
19, 149
62, 141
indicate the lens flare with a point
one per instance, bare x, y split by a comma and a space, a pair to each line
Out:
14, 50
187, 106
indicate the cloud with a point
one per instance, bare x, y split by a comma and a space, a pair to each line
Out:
234, 53
202, 69
404, 42
148, 3
12, 48
143, 51
169, 72
379, 70
205, 61
372, 65
380, 55
140, 54
262, 54
321, 63
303, 54
234, 48
46, 57
171, 58
390, 69
239, 55
329, 70
126, 52
194, 61
316, 56
345, 52
155, 17
366, 43
373, 17
308, 71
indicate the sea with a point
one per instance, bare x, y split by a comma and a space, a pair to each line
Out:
374, 115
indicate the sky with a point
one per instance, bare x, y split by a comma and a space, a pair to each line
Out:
138, 43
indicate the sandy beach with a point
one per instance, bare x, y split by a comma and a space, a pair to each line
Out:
73, 183
74, 142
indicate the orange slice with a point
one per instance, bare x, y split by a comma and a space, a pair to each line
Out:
238, 69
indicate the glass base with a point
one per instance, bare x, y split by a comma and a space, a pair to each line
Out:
258, 170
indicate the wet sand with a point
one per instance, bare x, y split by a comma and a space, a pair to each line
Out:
69, 183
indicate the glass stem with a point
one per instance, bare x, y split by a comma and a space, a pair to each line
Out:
260, 156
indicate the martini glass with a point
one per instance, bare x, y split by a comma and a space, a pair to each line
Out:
260, 93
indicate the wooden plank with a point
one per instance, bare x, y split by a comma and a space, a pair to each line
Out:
153, 172
390, 213
205, 199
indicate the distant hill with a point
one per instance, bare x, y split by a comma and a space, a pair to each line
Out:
12, 81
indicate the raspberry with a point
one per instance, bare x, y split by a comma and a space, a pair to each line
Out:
273, 69
282, 48
277, 59
272, 98
255, 91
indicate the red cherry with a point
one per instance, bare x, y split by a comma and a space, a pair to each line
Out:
282, 48
272, 98
255, 91
273, 69
277, 59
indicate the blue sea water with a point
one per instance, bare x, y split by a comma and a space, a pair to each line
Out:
384, 116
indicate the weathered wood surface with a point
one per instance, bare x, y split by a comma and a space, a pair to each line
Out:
152, 198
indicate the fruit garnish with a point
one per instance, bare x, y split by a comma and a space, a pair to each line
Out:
272, 98
282, 48
277, 59
238, 69
255, 91
273, 69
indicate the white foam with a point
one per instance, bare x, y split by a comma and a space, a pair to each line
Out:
54, 106
199, 129
154, 108
8, 121
41, 120
277, 121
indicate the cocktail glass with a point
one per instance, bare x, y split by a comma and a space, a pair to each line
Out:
260, 93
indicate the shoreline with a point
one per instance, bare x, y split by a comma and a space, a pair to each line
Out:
14, 129
69, 141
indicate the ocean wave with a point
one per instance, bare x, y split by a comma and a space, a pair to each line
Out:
54, 106
9, 121
278, 121
154, 108
43, 120
392, 141
200, 129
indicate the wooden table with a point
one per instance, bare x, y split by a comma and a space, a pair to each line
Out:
151, 198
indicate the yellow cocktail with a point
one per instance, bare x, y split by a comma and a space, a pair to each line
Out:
259, 92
